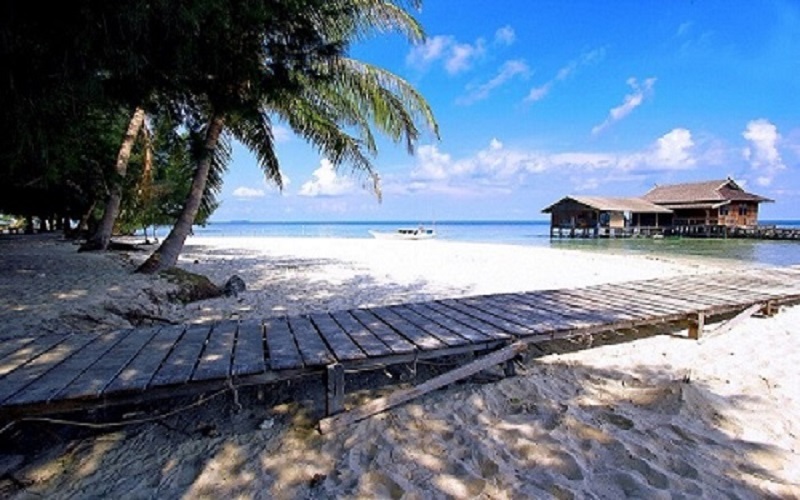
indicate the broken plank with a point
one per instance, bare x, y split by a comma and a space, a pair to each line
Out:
343, 347
309, 342
283, 352
732, 323
344, 420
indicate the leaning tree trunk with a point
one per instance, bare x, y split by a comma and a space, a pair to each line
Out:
166, 256
102, 236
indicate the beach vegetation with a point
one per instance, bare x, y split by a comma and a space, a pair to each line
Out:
84, 82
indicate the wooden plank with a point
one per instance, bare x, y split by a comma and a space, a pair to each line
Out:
248, 349
365, 339
640, 301
420, 338
670, 297
13, 345
311, 345
733, 322
579, 317
99, 375
20, 379
490, 330
472, 307
561, 301
137, 375
283, 351
604, 304
540, 312
447, 336
397, 343
343, 347
467, 332
28, 352
215, 361
54, 381
180, 364
343, 420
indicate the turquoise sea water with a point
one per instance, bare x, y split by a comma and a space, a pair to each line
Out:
534, 233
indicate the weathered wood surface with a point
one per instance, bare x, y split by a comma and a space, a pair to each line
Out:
341, 421
57, 368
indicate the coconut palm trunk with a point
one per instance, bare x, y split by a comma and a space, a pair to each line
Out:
102, 237
166, 256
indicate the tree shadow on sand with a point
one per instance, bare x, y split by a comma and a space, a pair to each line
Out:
559, 429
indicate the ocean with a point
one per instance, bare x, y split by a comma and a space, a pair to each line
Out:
536, 233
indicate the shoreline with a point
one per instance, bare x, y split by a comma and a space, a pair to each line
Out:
650, 416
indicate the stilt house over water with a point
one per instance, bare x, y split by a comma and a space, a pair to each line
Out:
710, 203
710, 208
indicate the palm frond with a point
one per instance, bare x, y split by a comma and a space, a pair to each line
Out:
364, 18
254, 130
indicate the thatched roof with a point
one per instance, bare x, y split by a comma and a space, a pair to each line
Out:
695, 192
604, 204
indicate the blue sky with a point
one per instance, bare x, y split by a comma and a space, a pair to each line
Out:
539, 99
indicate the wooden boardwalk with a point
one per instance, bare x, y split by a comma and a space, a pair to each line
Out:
56, 373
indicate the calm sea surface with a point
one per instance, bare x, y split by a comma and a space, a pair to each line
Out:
528, 233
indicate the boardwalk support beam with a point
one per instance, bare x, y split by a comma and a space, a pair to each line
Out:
379, 405
334, 382
769, 309
696, 323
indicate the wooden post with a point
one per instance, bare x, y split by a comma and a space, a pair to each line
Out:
334, 381
374, 407
769, 309
509, 368
696, 323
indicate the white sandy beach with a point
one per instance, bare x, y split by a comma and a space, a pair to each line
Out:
653, 417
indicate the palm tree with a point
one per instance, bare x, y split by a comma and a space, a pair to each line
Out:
102, 235
303, 77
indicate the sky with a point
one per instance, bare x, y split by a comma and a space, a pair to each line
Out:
540, 99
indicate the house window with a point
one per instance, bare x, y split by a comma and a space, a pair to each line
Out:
723, 211
742, 209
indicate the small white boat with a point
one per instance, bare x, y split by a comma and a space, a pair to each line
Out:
419, 233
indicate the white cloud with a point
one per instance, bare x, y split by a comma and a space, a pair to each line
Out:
505, 36
763, 154
431, 164
457, 57
674, 149
508, 71
462, 56
632, 101
431, 50
326, 182
497, 167
586, 59
684, 29
281, 133
247, 193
